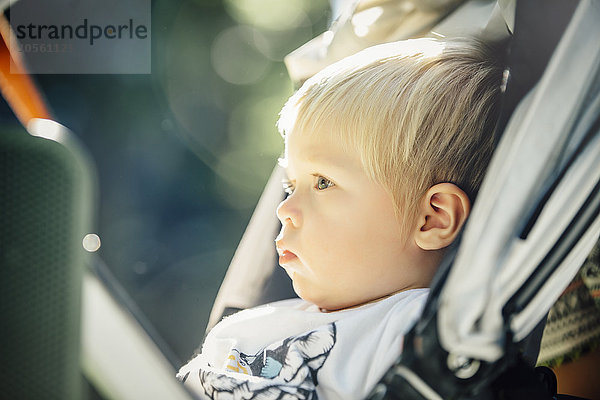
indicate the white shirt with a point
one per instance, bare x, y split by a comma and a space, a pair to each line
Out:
292, 347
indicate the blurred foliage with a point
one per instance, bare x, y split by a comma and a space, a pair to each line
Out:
183, 154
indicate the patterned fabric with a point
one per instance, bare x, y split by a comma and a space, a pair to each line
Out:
573, 326
290, 350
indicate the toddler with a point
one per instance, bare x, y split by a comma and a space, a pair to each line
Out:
384, 152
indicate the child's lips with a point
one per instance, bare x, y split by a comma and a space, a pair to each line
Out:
286, 256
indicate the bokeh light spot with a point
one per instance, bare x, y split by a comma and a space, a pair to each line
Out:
91, 242
235, 57
268, 14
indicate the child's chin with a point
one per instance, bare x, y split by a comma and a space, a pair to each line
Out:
300, 292
305, 293
324, 306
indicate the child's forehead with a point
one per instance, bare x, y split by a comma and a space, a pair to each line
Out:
314, 156
314, 139
318, 151
315, 145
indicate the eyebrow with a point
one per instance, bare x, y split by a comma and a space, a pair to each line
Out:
326, 166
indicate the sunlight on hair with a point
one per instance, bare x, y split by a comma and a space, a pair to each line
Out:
420, 48
409, 48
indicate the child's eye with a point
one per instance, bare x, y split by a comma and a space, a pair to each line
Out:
288, 186
323, 183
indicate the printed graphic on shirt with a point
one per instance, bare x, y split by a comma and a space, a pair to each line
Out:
289, 369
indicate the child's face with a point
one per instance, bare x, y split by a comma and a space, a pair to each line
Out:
341, 242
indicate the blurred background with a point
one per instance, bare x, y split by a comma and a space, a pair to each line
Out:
182, 154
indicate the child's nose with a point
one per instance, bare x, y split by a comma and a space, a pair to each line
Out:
289, 213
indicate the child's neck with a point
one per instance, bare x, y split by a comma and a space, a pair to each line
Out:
323, 310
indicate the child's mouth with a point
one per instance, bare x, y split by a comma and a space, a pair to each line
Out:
286, 256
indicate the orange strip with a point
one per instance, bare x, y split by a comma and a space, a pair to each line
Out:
573, 285
17, 87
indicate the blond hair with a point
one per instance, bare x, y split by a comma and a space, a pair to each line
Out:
419, 112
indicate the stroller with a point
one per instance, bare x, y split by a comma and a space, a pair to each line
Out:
534, 223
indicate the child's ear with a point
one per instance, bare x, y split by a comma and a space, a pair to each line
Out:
442, 213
